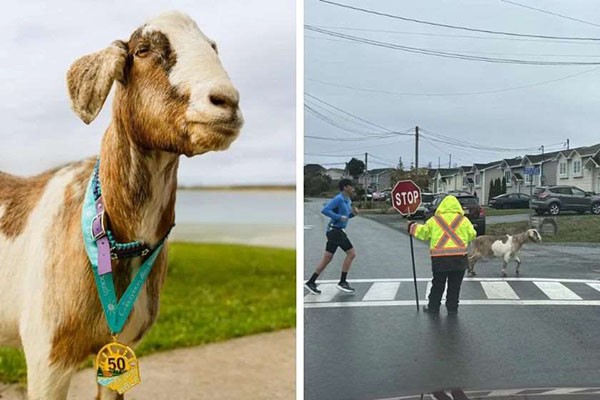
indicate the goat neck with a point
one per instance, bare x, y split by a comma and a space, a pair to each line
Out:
138, 186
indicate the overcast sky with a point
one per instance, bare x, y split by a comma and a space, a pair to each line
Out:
546, 114
40, 39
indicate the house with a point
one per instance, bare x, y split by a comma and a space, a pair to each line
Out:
380, 178
483, 175
336, 174
546, 163
579, 167
512, 172
445, 179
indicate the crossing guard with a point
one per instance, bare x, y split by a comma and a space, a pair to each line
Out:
448, 232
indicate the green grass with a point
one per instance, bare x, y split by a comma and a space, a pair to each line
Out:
212, 293
571, 229
511, 211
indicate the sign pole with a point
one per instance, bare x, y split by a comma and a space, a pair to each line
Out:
406, 198
412, 257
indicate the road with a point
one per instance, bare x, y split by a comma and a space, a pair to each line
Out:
531, 331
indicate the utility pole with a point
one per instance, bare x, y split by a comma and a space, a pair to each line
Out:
439, 163
541, 167
416, 148
567, 144
366, 175
450, 161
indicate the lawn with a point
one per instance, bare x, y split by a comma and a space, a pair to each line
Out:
511, 211
571, 229
212, 293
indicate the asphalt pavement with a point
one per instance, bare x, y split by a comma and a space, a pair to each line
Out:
535, 330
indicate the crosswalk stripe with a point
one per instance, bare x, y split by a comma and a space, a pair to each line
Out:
411, 303
382, 291
594, 285
428, 291
499, 290
557, 291
328, 292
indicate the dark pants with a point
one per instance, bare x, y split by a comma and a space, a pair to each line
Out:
454, 279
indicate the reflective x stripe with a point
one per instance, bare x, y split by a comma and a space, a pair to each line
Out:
448, 251
449, 233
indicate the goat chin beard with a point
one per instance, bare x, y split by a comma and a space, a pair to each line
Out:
204, 142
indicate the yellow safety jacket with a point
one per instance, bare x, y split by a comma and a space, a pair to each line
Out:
448, 231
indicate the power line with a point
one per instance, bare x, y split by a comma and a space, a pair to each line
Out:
400, 133
550, 12
458, 93
444, 54
336, 113
452, 36
350, 139
464, 28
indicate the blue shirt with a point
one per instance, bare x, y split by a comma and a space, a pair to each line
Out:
337, 207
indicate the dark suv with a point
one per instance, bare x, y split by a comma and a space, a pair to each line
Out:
470, 205
554, 199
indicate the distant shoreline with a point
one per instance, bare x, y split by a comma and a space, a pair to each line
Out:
269, 188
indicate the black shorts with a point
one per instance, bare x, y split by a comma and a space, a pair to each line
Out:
337, 238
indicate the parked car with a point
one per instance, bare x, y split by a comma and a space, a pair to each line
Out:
510, 200
554, 199
426, 200
471, 207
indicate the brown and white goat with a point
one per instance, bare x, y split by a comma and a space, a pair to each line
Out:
506, 247
172, 97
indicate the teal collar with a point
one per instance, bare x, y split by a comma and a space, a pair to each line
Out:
116, 312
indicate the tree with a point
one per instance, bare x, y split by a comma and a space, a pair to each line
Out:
420, 177
503, 184
355, 167
313, 169
400, 164
492, 191
316, 184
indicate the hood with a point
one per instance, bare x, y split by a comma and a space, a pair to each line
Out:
450, 205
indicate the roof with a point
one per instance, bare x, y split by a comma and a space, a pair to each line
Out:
538, 158
513, 162
481, 167
341, 170
584, 151
448, 171
378, 171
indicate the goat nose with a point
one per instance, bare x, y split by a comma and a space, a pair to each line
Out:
225, 98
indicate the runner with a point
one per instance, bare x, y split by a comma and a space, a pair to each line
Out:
340, 210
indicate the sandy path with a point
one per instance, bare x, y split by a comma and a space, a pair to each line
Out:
259, 367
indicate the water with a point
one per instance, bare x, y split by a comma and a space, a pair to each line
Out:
236, 207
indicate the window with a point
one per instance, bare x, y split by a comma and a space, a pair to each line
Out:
578, 192
527, 178
508, 177
577, 167
562, 169
477, 179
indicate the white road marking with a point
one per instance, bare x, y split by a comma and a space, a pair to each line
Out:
505, 392
307, 227
557, 291
328, 292
462, 303
594, 285
382, 291
499, 290
428, 290
464, 280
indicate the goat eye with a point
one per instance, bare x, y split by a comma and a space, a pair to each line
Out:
142, 51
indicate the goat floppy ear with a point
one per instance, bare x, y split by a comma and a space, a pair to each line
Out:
90, 78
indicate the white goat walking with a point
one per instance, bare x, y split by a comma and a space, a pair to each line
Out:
506, 247
172, 97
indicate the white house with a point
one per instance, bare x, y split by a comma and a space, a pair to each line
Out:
579, 167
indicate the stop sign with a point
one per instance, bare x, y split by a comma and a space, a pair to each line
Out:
406, 197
